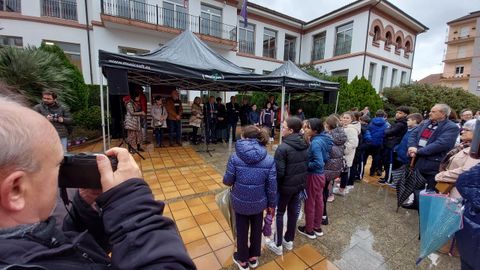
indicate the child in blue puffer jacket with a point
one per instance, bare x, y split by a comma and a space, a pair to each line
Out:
252, 174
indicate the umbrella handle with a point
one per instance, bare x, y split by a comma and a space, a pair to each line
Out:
412, 162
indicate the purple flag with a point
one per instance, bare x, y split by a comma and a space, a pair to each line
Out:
243, 13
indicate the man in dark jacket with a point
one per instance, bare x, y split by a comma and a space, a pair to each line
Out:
210, 111
56, 113
291, 158
393, 136
122, 219
233, 110
431, 141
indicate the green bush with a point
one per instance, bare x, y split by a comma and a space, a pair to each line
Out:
79, 89
422, 97
88, 118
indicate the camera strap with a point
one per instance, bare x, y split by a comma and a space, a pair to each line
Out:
66, 201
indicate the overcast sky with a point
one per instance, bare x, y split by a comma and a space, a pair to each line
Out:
432, 13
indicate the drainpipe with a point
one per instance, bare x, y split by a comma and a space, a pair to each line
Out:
366, 37
300, 49
87, 24
413, 58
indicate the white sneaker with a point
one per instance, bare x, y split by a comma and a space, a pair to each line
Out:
287, 244
274, 248
338, 192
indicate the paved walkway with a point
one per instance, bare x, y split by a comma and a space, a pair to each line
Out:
365, 232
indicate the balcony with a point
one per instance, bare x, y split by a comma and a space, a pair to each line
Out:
11, 5
455, 77
460, 39
62, 9
152, 15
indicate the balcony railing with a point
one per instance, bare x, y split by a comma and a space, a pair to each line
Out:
62, 9
11, 5
246, 46
153, 14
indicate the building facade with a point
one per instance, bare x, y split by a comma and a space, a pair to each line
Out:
462, 56
367, 38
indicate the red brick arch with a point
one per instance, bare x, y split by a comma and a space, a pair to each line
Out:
389, 29
399, 34
379, 24
408, 42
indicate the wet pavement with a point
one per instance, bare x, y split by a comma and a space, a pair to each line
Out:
365, 231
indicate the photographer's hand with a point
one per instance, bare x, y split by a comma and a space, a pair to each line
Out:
127, 168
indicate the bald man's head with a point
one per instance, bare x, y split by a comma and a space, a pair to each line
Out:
22, 133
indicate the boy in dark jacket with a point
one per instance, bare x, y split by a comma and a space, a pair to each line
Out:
291, 162
376, 129
413, 120
393, 136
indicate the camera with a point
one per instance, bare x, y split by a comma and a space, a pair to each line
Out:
81, 171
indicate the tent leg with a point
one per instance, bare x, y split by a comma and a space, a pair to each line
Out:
102, 112
108, 119
282, 112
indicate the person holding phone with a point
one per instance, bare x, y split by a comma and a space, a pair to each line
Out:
120, 226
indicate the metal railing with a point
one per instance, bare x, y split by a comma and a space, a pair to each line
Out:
11, 5
246, 46
153, 14
59, 9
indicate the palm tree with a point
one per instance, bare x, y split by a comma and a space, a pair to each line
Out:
29, 71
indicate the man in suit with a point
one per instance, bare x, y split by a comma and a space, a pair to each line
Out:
233, 110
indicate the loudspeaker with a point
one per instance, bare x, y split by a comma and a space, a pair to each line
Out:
117, 81
330, 97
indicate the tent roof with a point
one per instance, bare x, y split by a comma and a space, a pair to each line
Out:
188, 63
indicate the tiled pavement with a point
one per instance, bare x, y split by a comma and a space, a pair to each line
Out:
365, 232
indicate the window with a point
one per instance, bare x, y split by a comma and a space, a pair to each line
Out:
211, 21
376, 33
11, 5
464, 31
11, 41
388, 36
459, 70
246, 36
403, 77
318, 52
383, 76
266, 72
175, 14
372, 72
341, 73
71, 50
478, 85
289, 52
269, 43
131, 51
461, 52
393, 81
343, 42
407, 46
63, 9
398, 42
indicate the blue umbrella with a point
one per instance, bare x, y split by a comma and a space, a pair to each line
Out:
440, 218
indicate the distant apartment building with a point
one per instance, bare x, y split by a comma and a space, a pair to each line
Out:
462, 57
371, 38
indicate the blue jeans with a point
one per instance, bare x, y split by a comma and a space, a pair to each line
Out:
158, 135
174, 126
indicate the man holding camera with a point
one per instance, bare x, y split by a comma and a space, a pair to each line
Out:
123, 218
56, 113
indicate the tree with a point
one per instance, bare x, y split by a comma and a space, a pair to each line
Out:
422, 97
358, 93
29, 71
76, 83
